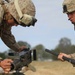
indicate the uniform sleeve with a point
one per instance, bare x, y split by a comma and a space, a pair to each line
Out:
9, 40
72, 56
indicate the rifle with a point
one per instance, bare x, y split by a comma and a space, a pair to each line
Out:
23, 58
65, 58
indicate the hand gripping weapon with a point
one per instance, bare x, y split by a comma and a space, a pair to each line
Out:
24, 58
65, 58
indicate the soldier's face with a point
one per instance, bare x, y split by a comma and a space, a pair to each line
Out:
71, 17
11, 22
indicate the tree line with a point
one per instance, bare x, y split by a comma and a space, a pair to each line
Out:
64, 45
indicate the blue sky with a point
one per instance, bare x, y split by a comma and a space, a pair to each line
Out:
52, 25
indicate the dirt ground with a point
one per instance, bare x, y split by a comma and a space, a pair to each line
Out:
52, 68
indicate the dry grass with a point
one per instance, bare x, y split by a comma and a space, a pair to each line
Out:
52, 68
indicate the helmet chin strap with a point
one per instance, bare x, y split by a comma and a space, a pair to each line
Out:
26, 19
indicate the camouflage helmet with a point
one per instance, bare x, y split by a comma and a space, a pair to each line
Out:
1, 1
68, 6
22, 10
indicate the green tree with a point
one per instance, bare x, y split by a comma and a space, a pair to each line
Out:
41, 53
39, 50
21, 43
64, 46
2, 55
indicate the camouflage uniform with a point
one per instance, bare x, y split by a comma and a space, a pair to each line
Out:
68, 7
26, 7
5, 33
7, 37
5, 29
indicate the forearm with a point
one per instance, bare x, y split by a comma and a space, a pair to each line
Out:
9, 40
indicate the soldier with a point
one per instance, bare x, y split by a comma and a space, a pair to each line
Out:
14, 13
69, 9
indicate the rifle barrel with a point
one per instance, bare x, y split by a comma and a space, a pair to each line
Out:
65, 58
49, 51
